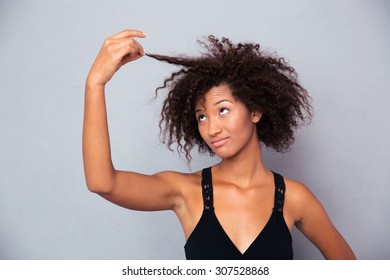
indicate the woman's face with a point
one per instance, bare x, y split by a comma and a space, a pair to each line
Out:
225, 123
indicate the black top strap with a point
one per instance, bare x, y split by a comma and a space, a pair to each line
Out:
207, 189
280, 188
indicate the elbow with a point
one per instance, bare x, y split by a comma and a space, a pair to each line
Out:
99, 186
99, 180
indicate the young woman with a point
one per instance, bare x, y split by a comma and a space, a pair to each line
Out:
225, 102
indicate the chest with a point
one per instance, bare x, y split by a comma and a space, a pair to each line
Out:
241, 214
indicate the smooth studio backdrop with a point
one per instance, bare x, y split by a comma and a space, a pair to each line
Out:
341, 50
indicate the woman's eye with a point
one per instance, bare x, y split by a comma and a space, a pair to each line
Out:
201, 118
223, 111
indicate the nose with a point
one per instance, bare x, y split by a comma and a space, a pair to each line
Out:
214, 127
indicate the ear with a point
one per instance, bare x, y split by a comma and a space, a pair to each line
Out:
256, 116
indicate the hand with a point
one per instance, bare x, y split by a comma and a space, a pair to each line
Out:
116, 51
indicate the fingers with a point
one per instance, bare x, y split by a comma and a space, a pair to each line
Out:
124, 43
116, 51
128, 44
129, 33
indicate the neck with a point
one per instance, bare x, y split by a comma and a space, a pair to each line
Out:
244, 168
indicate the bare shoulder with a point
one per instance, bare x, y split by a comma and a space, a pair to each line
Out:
187, 187
299, 198
297, 191
183, 183
178, 178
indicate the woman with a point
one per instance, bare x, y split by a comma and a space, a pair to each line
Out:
225, 102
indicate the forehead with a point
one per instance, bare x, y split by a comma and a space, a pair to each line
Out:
215, 94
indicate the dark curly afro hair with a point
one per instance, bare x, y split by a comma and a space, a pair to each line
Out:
262, 81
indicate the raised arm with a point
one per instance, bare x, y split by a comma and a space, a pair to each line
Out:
128, 189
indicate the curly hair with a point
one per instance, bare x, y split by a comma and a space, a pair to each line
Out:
263, 81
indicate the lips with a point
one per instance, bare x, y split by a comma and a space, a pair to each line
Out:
219, 142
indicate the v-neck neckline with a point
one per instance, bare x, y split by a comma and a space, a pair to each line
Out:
211, 193
258, 236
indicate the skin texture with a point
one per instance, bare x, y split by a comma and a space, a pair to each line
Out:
241, 180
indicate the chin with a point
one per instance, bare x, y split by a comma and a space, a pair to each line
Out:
224, 154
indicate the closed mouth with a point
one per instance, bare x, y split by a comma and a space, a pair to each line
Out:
219, 142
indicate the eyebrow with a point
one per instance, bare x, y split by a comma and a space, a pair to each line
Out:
223, 100
216, 103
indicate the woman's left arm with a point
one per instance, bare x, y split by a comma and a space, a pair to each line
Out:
313, 221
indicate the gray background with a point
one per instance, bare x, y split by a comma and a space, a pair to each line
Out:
341, 49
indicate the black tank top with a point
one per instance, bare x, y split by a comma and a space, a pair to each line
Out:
209, 241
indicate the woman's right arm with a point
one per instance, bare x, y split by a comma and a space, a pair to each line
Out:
128, 189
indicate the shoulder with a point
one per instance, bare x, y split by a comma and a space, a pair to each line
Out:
176, 177
187, 188
295, 190
180, 181
299, 198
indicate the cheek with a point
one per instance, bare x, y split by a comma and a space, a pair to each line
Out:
239, 123
242, 128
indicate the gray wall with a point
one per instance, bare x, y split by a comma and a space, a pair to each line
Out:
341, 50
